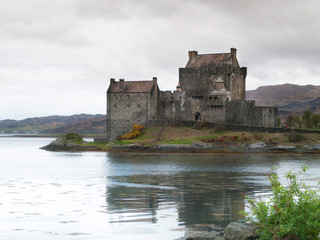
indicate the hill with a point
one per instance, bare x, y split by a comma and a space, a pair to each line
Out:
288, 98
79, 123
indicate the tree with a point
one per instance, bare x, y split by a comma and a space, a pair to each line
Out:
298, 121
315, 120
306, 117
289, 120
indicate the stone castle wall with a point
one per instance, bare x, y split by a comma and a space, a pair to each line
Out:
126, 110
198, 81
171, 105
247, 114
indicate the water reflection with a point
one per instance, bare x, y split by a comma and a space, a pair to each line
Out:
202, 191
95, 195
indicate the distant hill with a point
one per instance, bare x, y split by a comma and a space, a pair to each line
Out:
80, 123
288, 98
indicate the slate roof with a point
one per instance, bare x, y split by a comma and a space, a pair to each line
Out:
216, 58
131, 87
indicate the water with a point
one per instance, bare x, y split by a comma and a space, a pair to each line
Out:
52, 195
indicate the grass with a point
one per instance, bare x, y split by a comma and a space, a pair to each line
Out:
187, 135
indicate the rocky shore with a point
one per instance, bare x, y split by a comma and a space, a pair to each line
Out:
61, 144
234, 231
200, 147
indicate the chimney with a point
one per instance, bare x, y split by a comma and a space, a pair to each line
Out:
193, 54
121, 80
112, 80
234, 56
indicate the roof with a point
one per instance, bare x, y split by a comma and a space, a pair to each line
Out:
131, 87
216, 58
220, 80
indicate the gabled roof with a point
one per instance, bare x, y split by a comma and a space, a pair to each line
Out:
216, 58
131, 87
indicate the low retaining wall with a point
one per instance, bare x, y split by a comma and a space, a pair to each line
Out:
230, 127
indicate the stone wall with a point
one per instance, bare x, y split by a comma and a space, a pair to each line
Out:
247, 114
231, 127
171, 105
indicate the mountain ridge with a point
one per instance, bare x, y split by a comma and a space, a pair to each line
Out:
56, 124
287, 97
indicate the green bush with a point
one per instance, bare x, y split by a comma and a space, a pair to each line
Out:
73, 137
295, 137
293, 212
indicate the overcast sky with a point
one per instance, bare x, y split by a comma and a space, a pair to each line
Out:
57, 56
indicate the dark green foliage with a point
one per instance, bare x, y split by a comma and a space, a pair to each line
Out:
289, 121
73, 137
315, 120
306, 118
293, 212
295, 137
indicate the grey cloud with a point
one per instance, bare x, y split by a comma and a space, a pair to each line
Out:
77, 45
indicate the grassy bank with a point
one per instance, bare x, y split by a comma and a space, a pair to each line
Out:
219, 140
186, 135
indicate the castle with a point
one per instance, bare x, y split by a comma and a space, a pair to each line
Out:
211, 89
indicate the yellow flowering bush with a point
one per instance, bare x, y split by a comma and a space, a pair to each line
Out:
134, 132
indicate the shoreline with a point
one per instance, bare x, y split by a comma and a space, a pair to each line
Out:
194, 148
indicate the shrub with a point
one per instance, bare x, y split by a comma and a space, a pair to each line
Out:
295, 137
244, 138
257, 137
73, 137
234, 138
134, 132
293, 212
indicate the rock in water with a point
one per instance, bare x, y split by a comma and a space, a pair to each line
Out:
240, 231
257, 145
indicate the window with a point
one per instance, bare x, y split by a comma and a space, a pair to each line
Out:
128, 97
138, 106
114, 106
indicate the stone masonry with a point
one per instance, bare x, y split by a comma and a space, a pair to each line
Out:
211, 89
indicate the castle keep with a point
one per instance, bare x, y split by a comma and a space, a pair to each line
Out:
211, 89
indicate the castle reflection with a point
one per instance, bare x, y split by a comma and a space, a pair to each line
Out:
197, 197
